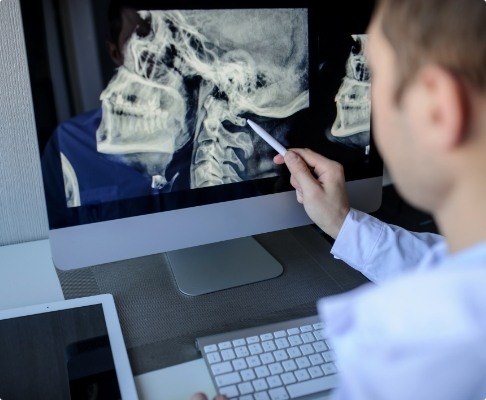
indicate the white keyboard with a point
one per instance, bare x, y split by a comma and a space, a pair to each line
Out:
286, 360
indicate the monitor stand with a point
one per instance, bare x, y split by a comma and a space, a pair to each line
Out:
223, 265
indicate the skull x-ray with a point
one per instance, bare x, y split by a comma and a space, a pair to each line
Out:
193, 80
353, 99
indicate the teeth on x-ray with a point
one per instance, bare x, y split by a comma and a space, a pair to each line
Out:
135, 112
353, 97
195, 76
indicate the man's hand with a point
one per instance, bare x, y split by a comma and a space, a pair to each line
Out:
202, 396
320, 187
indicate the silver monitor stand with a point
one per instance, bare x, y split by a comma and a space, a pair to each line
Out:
223, 265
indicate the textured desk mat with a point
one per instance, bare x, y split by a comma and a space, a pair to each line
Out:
160, 323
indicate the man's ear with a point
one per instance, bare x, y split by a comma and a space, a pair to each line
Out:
114, 53
446, 106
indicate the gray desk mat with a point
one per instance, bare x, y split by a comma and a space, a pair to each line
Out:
160, 324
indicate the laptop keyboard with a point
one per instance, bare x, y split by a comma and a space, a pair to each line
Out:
286, 360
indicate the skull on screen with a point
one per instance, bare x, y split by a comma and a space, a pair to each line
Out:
353, 104
195, 76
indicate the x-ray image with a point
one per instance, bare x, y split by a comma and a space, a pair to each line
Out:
352, 114
192, 79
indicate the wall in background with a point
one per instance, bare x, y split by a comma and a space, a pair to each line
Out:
22, 211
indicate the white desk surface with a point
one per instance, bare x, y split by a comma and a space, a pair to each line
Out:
27, 276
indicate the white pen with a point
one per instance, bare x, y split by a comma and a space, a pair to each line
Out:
267, 137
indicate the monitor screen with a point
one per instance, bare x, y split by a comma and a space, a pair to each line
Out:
141, 107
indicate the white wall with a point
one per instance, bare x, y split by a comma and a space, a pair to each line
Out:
22, 211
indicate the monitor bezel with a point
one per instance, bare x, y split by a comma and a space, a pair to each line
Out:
216, 215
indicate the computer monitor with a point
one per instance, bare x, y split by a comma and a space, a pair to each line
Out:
142, 136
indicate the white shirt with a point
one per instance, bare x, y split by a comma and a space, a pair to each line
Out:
420, 333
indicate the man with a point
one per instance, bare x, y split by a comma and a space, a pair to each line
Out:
421, 334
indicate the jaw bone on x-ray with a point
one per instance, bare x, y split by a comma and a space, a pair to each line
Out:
353, 103
192, 78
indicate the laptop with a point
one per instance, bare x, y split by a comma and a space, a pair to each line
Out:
66, 349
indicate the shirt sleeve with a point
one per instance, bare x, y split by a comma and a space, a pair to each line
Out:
378, 250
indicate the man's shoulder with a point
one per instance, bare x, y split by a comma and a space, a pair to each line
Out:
392, 336
417, 306
79, 131
89, 118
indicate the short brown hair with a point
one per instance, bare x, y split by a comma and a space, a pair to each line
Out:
450, 33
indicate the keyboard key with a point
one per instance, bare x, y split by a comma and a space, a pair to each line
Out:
221, 368
238, 342
228, 379
260, 384
262, 372
293, 331
316, 359
246, 397
306, 349
319, 346
252, 339
229, 391
261, 396
269, 346
210, 347
255, 348
302, 375
267, 358
278, 394
279, 334
253, 361
239, 364
329, 356
306, 328
228, 354
312, 386
329, 368
289, 365
274, 381
315, 372
288, 378
224, 345
275, 368
242, 351
295, 340
280, 355
319, 335
303, 362
266, 336
248, 375
308, 337
245, 388
213, 357
282, 343
294, 352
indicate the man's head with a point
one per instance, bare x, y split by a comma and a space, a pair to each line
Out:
428, 63
123, 20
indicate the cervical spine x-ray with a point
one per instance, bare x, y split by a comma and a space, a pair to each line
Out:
194, 79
